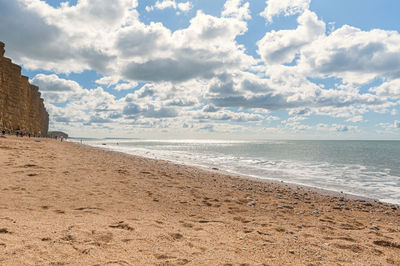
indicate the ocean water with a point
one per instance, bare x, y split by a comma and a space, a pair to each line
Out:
363, 168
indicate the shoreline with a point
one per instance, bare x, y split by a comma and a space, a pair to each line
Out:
324, 191
65, 203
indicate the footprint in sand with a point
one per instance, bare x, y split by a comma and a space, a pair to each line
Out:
122, 225
354, 248
187, 225
4, 231
176, 236
32, 174
384, 243
163, 256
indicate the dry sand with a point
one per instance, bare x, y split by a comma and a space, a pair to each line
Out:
64, 203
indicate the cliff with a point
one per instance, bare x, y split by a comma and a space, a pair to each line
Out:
21, 107
57, 134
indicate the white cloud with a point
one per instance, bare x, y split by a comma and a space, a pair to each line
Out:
287, 7
336, 128
226, 115
205, 48
164, 4
107, 81
125, 86
390, 88
278, 47
185, 7
55, 89
235, 9
355, 119
352, 54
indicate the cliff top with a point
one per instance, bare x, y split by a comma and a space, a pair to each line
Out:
2, 50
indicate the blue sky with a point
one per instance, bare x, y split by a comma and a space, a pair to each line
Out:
309, 69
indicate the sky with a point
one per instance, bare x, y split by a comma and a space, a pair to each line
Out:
231, 69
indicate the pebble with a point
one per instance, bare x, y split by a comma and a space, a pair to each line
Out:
315, 212
249, 198
251, 203
285, 207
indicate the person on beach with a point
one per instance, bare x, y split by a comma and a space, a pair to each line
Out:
3, 132
17, 133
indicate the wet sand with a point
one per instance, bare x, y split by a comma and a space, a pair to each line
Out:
69, 204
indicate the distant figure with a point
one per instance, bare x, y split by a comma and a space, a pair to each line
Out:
3, 132
21, 133
17, 133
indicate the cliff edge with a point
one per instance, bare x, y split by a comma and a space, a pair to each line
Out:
21, 107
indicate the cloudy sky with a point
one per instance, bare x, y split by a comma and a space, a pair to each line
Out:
309, 69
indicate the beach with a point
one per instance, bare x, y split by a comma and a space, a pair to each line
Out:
64, 203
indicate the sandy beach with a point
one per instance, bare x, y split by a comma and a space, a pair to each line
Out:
68, 204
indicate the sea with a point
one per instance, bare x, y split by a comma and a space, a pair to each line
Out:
361, 168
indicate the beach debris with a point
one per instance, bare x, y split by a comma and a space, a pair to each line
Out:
315, 212
300, 213
374, 227
215, 168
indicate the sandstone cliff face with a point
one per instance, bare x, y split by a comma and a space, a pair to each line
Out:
21, 107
